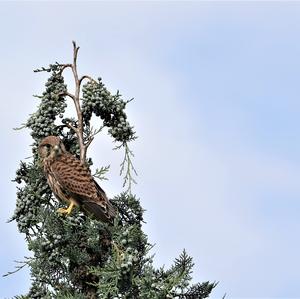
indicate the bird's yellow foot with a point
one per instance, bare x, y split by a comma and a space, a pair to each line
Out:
66, 211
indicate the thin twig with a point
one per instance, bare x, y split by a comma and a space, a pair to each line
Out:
86, 77
70, 95
65, 93
18, 268
127, 168
89, 141
100, 173
64, 66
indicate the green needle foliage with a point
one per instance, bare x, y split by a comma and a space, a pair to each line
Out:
76, 256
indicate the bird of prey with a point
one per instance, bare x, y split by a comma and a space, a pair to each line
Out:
72, 182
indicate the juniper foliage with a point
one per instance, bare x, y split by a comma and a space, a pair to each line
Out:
76, 256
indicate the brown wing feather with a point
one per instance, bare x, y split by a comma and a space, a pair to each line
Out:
78, 181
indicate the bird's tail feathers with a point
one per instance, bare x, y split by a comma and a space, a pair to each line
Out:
105, 214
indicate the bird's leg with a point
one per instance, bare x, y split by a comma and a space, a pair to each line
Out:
68, 210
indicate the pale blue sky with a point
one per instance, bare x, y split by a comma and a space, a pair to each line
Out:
217, 104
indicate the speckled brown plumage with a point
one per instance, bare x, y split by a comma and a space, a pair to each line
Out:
72, 182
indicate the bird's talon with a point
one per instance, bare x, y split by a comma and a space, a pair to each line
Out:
66, 211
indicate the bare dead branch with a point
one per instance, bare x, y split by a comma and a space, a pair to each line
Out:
65, 93
76, 99
86, 77
89, 142
83, 146
64, 66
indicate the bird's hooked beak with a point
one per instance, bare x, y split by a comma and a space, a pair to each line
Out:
57, 150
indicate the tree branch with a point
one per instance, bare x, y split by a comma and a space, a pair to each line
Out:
18, 268
86, 77
65, 93
76, 99
89, 142
64, 66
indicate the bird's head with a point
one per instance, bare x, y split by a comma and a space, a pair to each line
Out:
51, 146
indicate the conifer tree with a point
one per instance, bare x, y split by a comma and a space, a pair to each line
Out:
76, 256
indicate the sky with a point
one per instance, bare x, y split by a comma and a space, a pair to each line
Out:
216, 109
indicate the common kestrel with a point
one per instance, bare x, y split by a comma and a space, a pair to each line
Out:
71, 181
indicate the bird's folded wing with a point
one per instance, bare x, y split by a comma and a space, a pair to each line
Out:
79, 183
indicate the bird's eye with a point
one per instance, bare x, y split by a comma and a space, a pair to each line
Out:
46, 150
